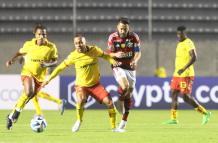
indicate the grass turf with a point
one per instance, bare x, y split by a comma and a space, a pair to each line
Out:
144, 126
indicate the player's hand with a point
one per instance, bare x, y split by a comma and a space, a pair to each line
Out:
119, 54
180, 71
43, 64
44, 84
133, 64
9, 63
116, 64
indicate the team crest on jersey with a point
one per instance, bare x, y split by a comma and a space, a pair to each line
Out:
71, 95
117, 45
123, 45
129, 44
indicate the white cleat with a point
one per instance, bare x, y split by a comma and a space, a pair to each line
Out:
119, 106
76, 126
122, 124
118, 130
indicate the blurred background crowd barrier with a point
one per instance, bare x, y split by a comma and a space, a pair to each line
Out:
154, 20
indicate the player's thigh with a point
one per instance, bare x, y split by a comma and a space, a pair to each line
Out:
29, 85
131, 77
188, 82
121, 77
81, 94
99, 93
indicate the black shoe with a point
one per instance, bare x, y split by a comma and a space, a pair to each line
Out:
9, 123
62, 106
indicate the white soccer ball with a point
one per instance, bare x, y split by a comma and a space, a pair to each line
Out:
38, 124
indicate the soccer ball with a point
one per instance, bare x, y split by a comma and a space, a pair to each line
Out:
38, 124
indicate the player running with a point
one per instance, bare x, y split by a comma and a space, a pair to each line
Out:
85, 60
124, 46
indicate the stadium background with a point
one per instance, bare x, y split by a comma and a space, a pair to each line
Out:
154, 20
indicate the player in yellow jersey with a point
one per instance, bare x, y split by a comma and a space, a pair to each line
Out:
39, 54
85, 60
42, 94
183, 77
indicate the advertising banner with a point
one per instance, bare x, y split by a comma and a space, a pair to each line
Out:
149, 93
11, 89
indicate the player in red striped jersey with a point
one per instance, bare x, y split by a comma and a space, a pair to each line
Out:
124, 46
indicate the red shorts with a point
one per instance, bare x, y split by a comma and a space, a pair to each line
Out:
97, 91
36, 83
182, 84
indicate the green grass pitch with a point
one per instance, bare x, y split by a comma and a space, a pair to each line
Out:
144, 126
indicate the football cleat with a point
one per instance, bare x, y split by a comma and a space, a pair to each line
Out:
206, 118
76, 126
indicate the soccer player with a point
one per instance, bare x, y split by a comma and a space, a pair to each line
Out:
124, 46
183, 77
44, 95
39, 54
85, 59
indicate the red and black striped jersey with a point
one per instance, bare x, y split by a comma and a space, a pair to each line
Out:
126, 45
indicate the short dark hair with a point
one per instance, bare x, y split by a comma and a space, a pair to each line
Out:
181, 28
38, 26
123, 20
78, 35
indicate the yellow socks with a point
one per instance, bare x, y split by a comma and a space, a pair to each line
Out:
36, 105
49, 97
174, 114
79, 111
21, 102
201, 109
112, 116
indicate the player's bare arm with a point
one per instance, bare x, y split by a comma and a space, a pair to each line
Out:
14, 58
119, 54
135, 60
193, 55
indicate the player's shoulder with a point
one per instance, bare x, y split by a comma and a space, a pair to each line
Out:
114, 34
134, 35
51, 44
73, 53
30, 42
92, 47
189, 41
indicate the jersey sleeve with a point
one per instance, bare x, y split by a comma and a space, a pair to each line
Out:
110, 44
190, 45
98, 51
69, 60
54, 53
25, 48
136, 40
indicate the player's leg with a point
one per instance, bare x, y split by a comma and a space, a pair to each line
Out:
29, 91
37, 106
175, 90
81, 96
174, 106
188, 98
111, 111
102, 96
129, 84
49, 97
191, 101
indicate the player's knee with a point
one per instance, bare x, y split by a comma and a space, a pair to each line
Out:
185, 98
30, 94
108, 102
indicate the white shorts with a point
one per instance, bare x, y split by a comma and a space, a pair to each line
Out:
123, 73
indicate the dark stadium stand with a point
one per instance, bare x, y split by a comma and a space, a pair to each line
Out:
99, 16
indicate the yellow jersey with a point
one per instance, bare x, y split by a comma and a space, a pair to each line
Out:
34, 55
86, 66
183, 57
